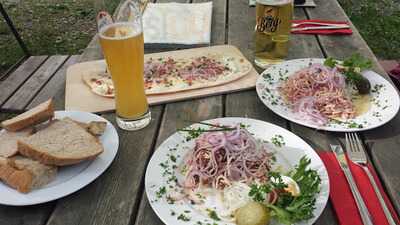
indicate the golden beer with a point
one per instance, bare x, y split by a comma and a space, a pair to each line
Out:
273, 24
123, 49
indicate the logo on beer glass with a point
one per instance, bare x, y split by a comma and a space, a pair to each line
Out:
269, 22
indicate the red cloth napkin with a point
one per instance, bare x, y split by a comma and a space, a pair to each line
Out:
346, 31
342, 198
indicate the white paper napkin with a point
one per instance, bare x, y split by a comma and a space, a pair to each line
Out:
177, 23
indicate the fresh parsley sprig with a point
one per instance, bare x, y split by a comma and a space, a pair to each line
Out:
289, 209
352, 68
259, 192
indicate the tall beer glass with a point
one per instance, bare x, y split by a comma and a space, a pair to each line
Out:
123, 49
273, 24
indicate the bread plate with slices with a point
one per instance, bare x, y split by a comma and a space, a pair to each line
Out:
47, 154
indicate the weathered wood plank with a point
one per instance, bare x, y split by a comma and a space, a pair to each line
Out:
28, 215
114, 196
196, 110
341, 46
18, 77
383, 142
218, 21
240, 34
92, 53
20, 99
54, 84
248, 104
111, 199
241, 21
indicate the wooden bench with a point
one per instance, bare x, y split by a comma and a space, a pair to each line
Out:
35, 80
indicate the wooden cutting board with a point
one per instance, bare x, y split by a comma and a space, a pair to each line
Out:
79, 97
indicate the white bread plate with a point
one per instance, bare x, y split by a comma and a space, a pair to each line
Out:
69, 178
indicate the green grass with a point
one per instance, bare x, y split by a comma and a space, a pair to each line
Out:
49, 27
379, 23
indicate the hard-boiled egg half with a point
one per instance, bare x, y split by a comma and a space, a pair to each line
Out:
292, 187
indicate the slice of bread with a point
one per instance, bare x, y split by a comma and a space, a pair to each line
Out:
38, 114
8, 141
63, 142
24, 174
96, 128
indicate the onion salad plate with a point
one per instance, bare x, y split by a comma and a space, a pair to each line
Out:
161, 175
384, 98
69, 179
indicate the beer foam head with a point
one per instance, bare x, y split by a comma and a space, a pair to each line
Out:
120, 30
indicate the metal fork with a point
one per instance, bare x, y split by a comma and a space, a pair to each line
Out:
356, 153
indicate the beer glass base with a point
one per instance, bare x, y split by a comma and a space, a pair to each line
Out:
134, 124
267, 63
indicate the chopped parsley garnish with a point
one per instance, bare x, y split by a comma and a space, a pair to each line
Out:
213, 215
278, 140
170, 200
377, 88
161, 192
173, 158
259, 192
183, 217
354, 125
276, 182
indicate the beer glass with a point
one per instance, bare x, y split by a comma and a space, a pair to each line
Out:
123, 48
273, 24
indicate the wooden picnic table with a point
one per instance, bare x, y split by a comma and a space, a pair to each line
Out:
117, 197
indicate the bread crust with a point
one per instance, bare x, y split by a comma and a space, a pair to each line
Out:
17, 123
30, 152
8, 141
20, 180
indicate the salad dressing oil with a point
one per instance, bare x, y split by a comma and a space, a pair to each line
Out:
362, 103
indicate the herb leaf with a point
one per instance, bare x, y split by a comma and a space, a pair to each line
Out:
291, 209
330, 62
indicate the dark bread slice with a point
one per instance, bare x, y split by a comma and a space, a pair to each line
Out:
63, 142
24, 174
36, 115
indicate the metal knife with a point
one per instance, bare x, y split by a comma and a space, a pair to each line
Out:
362, 208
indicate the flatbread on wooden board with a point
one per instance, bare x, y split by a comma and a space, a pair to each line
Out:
99, 83
235, 68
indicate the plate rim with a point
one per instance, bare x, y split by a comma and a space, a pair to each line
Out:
78, 184
309, 149
326, 128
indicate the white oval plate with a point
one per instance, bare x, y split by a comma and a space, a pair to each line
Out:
69, 178
177, 146
385, 102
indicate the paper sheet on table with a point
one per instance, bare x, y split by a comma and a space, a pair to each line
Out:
177, 23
